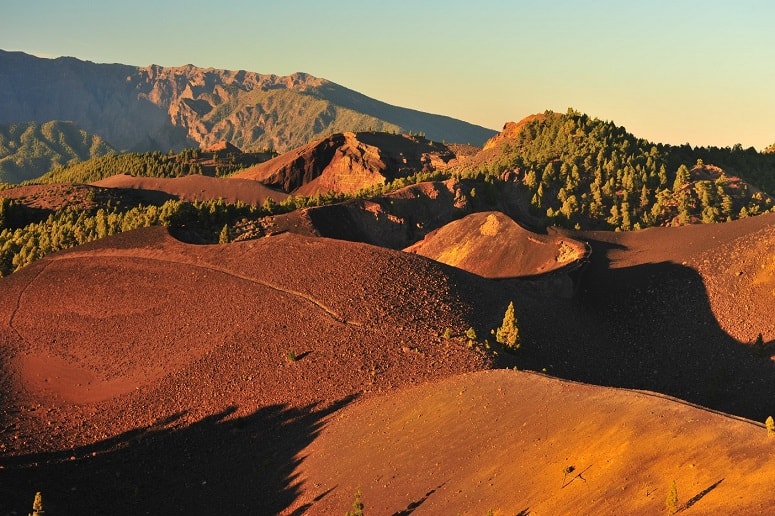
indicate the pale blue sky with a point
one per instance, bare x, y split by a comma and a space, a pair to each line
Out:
675, 71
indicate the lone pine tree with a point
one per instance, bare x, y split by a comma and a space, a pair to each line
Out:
671, 501
508, 333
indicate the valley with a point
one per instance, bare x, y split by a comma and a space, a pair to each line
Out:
274, 325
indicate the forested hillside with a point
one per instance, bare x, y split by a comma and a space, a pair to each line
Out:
567, 170
156, 164
28, 150
581, 172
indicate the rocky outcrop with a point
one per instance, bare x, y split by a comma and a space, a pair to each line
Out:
510, 131
349, 162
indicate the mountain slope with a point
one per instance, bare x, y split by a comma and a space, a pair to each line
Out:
349, 162
585, 173
518, 443
183, 376
158, 108
27, 150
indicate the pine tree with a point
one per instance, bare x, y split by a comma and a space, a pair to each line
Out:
508, 333
358, 506
681, 178
671, 502
224, 237
758, 345
37, 505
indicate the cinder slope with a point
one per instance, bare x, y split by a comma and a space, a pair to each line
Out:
197, 188
168, 364
503, 441
665, 310
492, 245
734, 260
403, 217
349, 162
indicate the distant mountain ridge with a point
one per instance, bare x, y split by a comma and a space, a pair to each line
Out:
163, 108
28, 150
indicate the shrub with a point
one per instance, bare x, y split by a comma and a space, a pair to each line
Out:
770, 424
357, 509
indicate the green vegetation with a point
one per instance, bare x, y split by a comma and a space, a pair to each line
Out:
28, 150
580, 172
291, 356
37, 505
572, 170
471, 336
508, 332
148, 164
671, 501
224, 237
357, 508
296, 119
69, 227
770, 424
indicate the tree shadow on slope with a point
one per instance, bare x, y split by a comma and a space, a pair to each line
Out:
217, 465
651, 327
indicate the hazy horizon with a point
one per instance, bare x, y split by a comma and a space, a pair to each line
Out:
670, 72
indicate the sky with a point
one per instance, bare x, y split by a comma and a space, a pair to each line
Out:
678, 71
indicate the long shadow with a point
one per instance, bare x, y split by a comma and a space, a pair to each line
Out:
648, 327
417, 503
217, 465
699, 496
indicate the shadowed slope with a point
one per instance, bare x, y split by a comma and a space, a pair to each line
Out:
519, 443
648, 315
403, 217
395, 220
734, 260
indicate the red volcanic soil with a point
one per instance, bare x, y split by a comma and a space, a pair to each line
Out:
197, 188
735, 260
518, 443
50, 197
492, 245
147, 375
394, 220
349, 162
400, 218
279, 375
